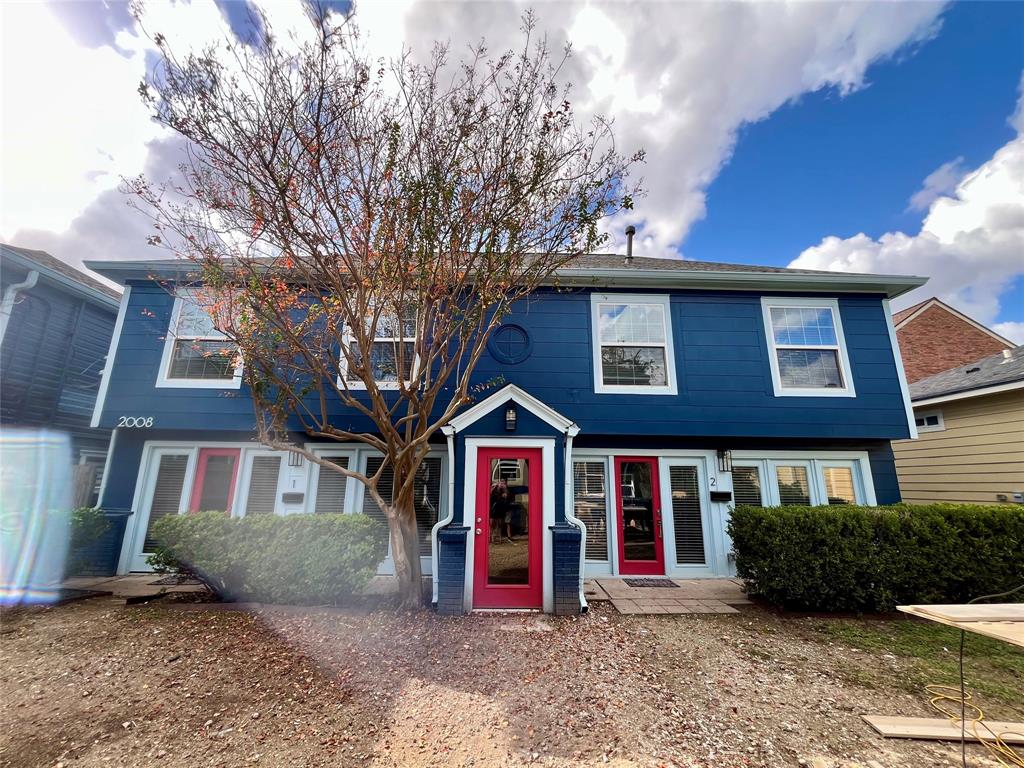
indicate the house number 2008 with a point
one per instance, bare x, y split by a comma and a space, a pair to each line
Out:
135, 421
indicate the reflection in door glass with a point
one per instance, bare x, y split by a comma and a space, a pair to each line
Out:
220, 471
638, 536
508, 559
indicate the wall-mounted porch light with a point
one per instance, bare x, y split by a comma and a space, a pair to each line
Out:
510, 418
295, 459
724, 460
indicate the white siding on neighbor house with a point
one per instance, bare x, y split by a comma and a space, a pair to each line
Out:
979, 453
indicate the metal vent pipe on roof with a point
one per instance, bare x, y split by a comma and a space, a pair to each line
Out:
630, 231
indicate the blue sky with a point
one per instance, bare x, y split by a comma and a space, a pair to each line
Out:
775, 133
839, 165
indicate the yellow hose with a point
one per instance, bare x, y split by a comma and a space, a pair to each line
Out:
992, 741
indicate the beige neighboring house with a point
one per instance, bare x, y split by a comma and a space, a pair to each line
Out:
970, 424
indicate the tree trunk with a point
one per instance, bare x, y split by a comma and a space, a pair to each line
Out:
405, 550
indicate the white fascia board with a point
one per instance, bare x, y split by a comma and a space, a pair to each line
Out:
898, 358
108, 364
891, 285
980, 392
520, 397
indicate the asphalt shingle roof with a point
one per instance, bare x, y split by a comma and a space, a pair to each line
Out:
46, 261
640, 263
1002, 368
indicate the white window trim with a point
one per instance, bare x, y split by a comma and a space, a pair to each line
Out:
858, 461
767, 302
596, 299
813, 485
940, 427
347, 340
355, 492
306, 476
762, 481
607, 463
241, 499
163, 381
314, 481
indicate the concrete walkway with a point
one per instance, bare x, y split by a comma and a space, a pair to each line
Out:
672, 596
136, 585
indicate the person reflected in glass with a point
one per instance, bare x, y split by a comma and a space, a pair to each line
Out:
501, 510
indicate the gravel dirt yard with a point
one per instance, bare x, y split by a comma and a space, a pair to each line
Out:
97, 683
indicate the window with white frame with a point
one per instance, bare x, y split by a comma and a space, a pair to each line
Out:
929, 421
839, 484
746, 486
807, 348
196, 354
802, 479
632, 344
793, 484
590, 504
392, 351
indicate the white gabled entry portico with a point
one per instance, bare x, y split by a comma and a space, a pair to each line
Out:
473, 452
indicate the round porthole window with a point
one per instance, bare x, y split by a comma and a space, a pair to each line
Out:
510, 344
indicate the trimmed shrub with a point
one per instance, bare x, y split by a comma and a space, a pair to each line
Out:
293, 559
865, 559
88, 526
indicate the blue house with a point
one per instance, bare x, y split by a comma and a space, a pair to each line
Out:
641, 399
55, 328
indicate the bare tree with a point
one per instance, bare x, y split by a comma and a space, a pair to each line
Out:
360, 227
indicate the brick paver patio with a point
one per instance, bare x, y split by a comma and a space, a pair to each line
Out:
688, 596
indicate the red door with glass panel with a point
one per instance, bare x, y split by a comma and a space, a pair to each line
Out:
507, 559
214, 486
641, 545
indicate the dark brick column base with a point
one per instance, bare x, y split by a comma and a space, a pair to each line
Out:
566, 541
451, 570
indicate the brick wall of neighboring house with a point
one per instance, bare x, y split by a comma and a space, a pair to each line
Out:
937, 340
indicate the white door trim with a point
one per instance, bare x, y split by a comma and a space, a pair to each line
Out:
132, 559
712, 520
547, 446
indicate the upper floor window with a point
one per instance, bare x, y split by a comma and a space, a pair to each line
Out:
392, 351
633, 344
195, 353
806, 346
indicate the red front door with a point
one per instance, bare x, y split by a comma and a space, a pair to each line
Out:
641, 546
214, 486
507, 559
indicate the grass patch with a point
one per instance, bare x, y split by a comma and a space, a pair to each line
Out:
994, 670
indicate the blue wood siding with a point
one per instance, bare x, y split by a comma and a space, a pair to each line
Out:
51, 362
721, 353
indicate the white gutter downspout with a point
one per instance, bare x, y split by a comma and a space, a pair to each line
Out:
7, 306
449, 432
571, 518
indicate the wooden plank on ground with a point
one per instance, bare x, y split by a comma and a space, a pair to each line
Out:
942, 729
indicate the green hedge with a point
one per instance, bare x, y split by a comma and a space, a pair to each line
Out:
849, 558
293, 559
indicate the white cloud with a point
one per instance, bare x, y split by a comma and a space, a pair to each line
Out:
971, 242
678, 79
941, 181
71, 120
1011, 330
681, 79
